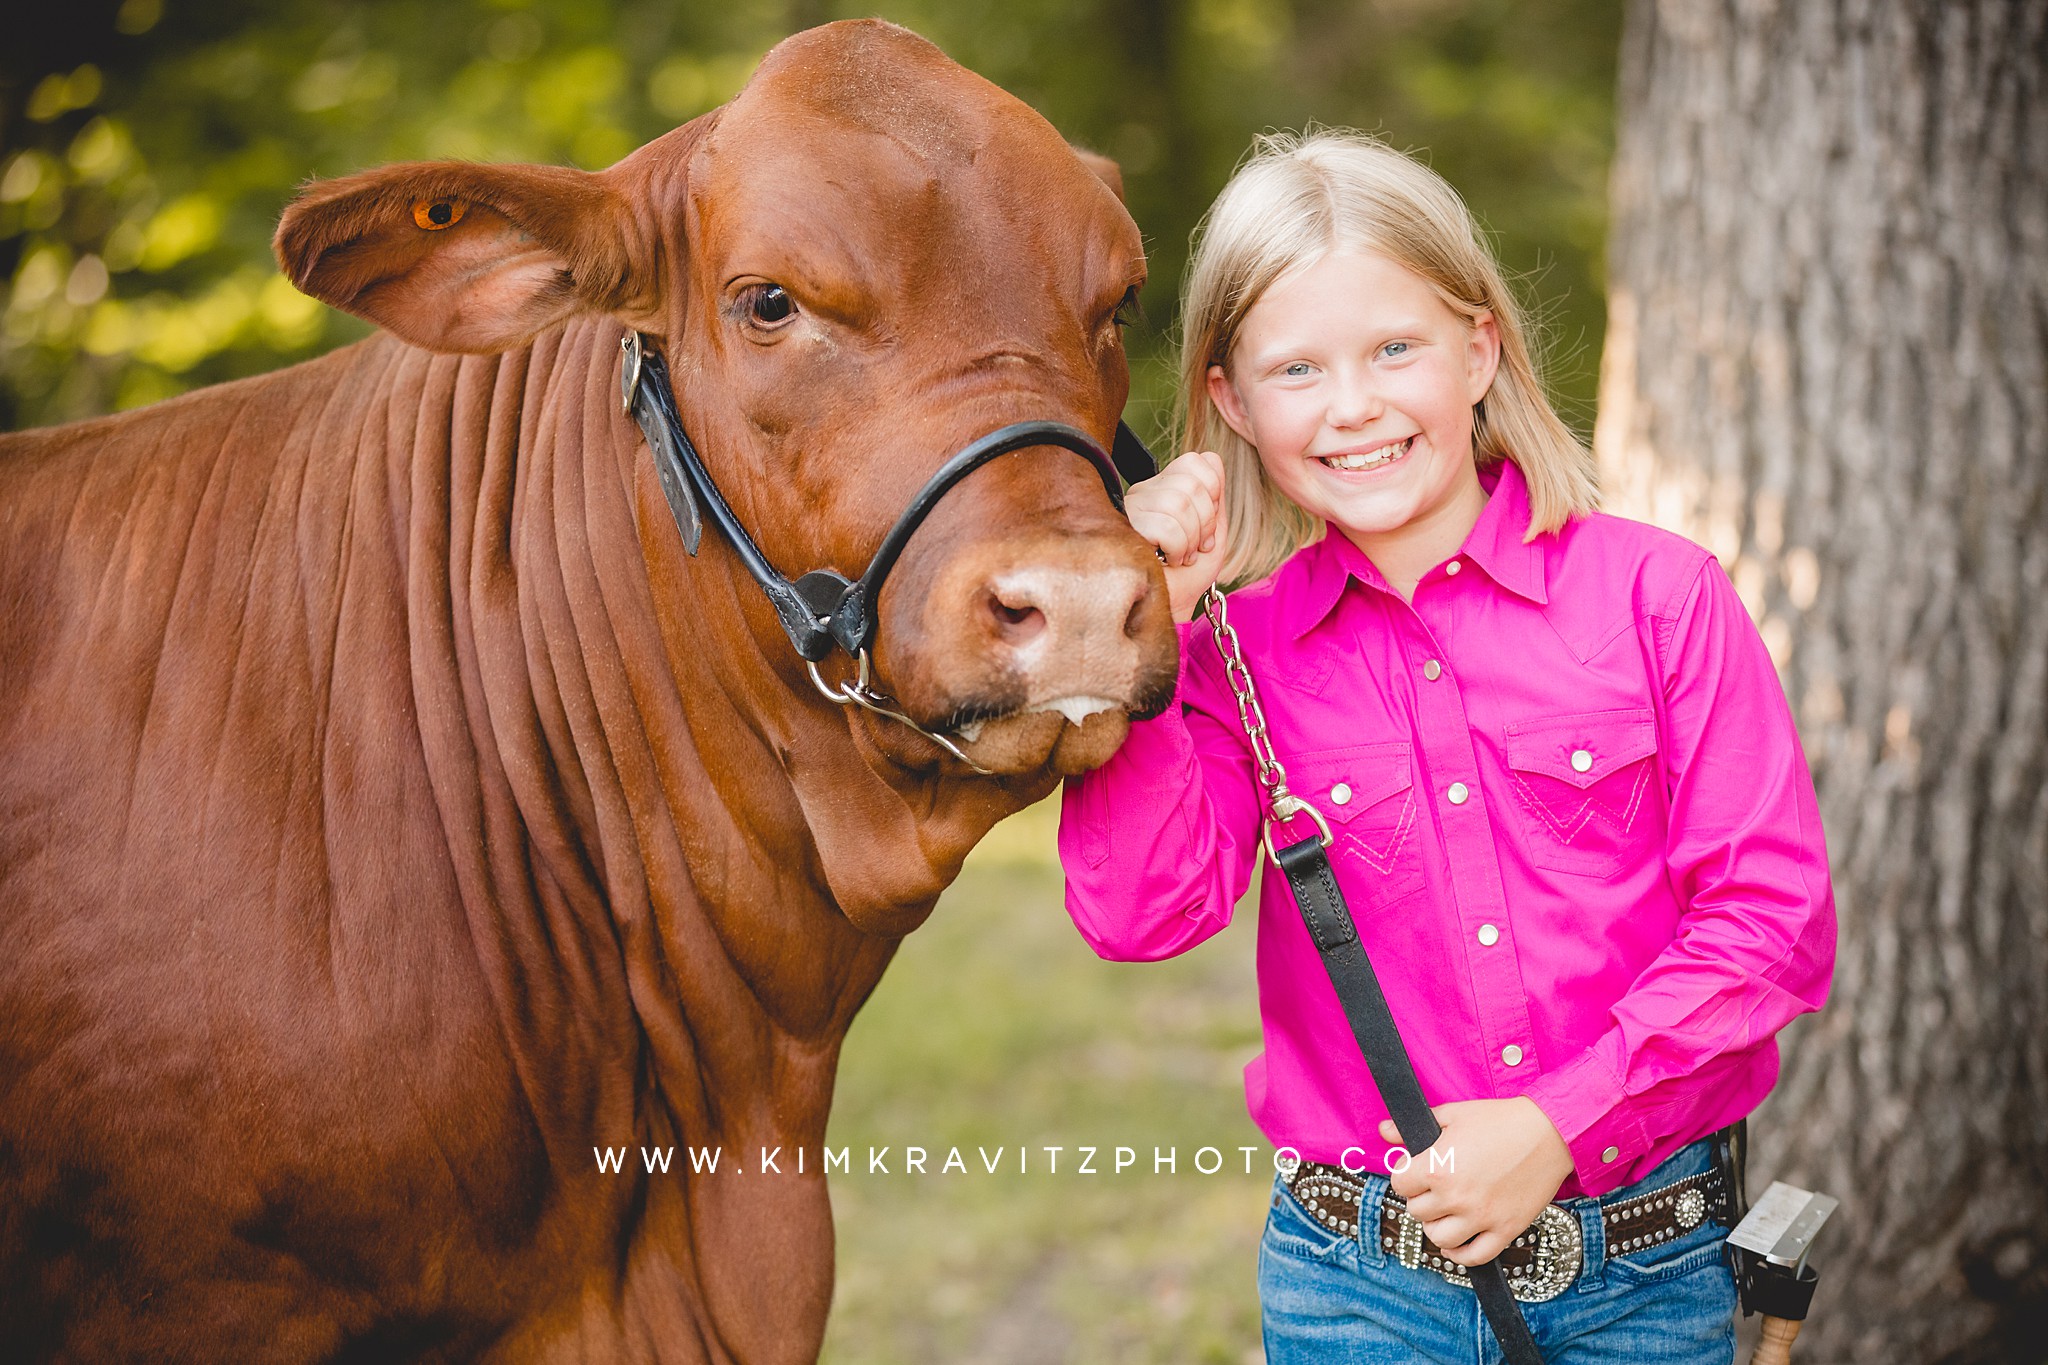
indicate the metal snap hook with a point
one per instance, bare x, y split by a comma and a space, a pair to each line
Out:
1286, 805
860, 692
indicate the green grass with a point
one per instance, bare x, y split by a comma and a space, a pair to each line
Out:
997, 1026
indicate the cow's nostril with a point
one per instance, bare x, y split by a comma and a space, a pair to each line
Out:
1016, 624
1135, 618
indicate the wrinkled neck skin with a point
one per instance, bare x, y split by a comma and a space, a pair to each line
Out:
722, 785
802, 832
758, 849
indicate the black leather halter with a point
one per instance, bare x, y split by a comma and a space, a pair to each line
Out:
823, 609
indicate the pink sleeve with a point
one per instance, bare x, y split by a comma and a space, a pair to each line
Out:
1756, 941
1158, 844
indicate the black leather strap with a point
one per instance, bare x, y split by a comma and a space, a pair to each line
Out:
853, 620
1133, 460
1329, 922
823, 609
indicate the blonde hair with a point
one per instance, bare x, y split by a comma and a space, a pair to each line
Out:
1296, 198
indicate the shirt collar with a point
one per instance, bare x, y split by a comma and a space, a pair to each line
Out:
1320, 572
1496, 543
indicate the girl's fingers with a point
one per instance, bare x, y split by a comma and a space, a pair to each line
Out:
1196, 469
1180, 511
1207, 462
1180, 520
1446, 1232
1202, 514
1167, 534
1463, 1240
1167, 495
1174, 534
1478, 1251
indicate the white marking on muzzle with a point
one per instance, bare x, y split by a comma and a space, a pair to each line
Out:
1075, 709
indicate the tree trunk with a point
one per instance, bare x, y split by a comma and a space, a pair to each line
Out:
1827, 360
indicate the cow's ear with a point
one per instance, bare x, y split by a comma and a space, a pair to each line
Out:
1106, 170
454, 256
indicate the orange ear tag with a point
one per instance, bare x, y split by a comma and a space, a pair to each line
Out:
435, 214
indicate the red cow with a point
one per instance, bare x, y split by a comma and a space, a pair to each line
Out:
392, 809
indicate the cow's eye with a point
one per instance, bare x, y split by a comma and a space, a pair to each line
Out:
1128, 310
436, 214
769, 304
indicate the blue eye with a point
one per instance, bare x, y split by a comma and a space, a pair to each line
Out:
1297, 369
1394, 348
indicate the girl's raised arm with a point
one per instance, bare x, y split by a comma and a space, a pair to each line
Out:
1159, 843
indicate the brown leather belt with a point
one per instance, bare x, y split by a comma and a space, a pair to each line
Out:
1543, 1261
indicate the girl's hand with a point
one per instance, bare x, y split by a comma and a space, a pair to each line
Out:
1499, 1162
1180, 510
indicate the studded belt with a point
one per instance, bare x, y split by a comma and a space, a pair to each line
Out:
1543, 1261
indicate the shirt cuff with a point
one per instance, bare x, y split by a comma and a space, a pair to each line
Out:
1584, 1101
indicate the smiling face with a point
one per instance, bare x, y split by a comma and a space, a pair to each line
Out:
1356, 383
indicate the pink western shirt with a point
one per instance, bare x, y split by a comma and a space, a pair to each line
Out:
1571, 817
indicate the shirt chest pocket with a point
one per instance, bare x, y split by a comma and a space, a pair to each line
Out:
1582, 787
1367, 793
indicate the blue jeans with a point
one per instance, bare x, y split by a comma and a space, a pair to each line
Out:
1335, 1300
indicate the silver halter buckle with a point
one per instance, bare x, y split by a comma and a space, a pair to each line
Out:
629, 370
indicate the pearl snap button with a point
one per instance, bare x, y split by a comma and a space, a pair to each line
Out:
1581, 761
1458, 792
1488, 935
1432, 670
1610, 1154
1453, 566
1511, 1054
1341, 793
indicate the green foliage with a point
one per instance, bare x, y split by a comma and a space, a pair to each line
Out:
147, 147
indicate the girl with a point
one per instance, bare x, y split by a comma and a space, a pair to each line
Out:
1570, 812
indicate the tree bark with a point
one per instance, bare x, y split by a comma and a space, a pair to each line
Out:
1827, 360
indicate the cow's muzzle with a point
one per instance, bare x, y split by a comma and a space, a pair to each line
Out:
823, 611
1050, 648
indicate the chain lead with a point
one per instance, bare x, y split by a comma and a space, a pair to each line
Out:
1282, 805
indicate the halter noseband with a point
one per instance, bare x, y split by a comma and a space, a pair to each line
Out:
823, 610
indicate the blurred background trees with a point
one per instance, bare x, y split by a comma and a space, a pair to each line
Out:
147, 146
1827, 361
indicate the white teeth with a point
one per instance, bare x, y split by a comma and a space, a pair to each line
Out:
1377, 457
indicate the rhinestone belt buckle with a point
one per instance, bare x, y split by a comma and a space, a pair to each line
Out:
1554, 1264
